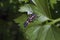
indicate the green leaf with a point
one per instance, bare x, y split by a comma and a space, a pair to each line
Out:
46, 32
37, 32
25, 8
43, 19
21, 20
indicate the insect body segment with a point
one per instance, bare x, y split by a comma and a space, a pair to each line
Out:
30, 19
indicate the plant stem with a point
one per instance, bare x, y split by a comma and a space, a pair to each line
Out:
54, 21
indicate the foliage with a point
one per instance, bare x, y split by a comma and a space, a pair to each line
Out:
14, 13
45, 27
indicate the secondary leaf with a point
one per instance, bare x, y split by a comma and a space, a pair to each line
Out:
21, 20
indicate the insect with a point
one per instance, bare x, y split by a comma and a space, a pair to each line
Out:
30, 19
